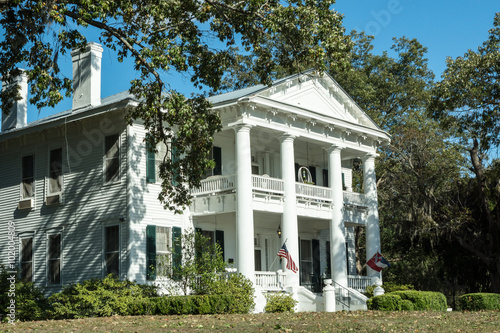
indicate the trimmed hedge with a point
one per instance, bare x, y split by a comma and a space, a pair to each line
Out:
193, 304
408, 300
386, 302
480, 301
279, 302
424, 300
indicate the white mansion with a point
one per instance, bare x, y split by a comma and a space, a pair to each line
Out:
81, 187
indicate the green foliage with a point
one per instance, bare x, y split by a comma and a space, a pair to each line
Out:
202, 264
239, 287
30, 303
279, 302
191, 37
192, 304
388, 288
386, 302
100, 298
408, 300
480, 301
423, 300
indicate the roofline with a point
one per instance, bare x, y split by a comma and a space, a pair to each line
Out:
78, 114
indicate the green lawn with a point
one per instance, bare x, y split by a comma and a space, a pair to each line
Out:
363, 321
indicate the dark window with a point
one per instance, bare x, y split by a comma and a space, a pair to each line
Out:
55, 174
325, 177
216, 156
112, 159
112, 250
27, 259
28, 172
54, 264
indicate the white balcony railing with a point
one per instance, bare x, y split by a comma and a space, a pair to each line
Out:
313, 192
267, 184
359, 283
353, 198
270, 280
215, 184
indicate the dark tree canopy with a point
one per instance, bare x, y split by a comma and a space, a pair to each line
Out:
194, 37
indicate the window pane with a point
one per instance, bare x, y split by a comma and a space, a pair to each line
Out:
26, 249
54, 271
112, 239
162, 239
27, 271
28, 176
55, 175
305, 250
112, 158
112, 264
54, 246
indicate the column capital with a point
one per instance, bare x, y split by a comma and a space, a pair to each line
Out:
241, 126
369, 156
334, 148
287, 137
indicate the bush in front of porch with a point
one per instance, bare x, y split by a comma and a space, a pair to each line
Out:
408, 300
480, 301
279, 302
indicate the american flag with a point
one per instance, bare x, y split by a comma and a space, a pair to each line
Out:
377, 262
283, 253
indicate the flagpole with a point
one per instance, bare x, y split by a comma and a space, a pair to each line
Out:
276, 257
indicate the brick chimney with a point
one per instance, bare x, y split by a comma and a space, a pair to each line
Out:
87, 75
17, 117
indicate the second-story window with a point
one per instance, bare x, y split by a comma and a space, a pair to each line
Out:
28, 173
112, 159
154, 159
55, 171
216, 155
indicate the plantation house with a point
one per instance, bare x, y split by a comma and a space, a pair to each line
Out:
82, 188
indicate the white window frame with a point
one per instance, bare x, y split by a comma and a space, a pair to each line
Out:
61, 257
104, 159
21, 193
47, 177
26, 235
104, 250
167, 253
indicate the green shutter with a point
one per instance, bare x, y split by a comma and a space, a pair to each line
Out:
150, 166
343, 181
151, 252
219, 239
177, 253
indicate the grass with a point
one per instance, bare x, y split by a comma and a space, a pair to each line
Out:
362, 321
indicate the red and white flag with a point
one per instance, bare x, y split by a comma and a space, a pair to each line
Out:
283, 253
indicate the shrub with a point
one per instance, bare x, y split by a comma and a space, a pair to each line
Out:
193, 304
388, 288
100, 298
239, 288
423, 300
30, 303
480, 301
279, 302
386, 302
407, 305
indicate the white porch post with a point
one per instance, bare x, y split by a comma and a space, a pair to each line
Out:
372, 224
338, 254
245, 260
289, 227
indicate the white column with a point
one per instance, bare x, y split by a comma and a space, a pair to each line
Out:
337, 229
289, 225
245, 260
372, 223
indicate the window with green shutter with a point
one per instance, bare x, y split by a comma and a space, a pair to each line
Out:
177, 248
151, 252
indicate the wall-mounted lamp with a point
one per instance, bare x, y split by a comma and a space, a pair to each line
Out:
356, 163
122, 218
279, 231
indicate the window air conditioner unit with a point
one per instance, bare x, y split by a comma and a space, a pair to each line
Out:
53, 199
26, 204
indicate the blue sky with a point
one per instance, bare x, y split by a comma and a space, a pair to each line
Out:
445, 27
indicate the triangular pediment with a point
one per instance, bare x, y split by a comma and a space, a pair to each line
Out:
319, 94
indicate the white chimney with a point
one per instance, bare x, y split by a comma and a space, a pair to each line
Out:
87, 75
17, 117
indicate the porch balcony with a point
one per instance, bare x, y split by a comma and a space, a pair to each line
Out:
275, 281
268, 186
